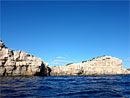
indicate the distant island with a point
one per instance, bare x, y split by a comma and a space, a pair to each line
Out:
20, 63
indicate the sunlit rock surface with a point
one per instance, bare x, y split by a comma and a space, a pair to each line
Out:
14, 63
105, 65
19, 63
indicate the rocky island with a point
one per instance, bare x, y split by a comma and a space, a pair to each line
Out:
19, 63
105, 65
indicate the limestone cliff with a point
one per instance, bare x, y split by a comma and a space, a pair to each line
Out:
105, 65
14, 63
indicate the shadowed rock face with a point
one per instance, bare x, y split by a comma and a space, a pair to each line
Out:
105, 65
14, 63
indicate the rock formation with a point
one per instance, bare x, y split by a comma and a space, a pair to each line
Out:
14, 63
19, 63
105, 65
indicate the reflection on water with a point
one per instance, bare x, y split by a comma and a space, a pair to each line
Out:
65, 86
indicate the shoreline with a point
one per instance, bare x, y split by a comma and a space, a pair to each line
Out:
20, 63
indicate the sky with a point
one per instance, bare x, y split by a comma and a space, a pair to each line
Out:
62, 32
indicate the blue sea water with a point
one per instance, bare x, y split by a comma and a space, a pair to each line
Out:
111, 86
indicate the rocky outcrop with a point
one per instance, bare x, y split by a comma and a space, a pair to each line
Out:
105, 65
19, 63
14, 63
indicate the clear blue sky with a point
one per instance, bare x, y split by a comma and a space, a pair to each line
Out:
65, 32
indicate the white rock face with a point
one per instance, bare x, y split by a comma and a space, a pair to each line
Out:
105, 65
13, 63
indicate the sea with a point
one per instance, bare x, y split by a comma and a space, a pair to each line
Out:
107, 86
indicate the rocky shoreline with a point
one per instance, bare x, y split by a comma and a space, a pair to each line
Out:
20, 63
105, 65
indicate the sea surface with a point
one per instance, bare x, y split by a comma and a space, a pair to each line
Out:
111, 86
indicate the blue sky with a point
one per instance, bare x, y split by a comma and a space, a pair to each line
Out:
67, 31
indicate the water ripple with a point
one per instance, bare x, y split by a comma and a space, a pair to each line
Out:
65, 87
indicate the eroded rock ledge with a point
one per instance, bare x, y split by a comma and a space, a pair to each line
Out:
19, 63
105, 65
